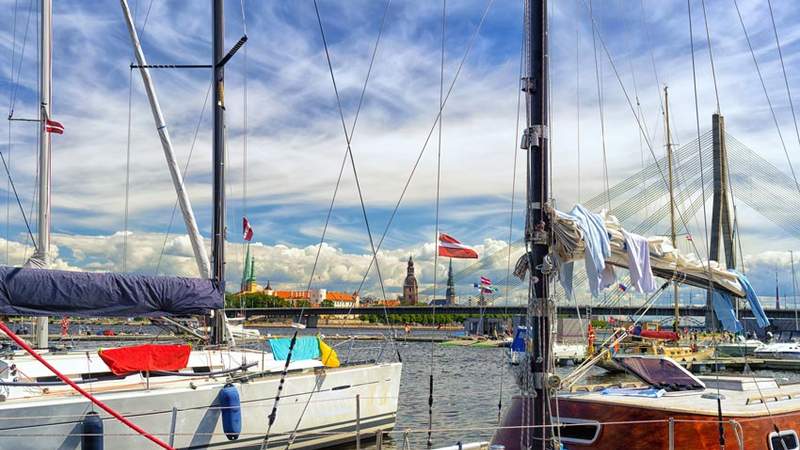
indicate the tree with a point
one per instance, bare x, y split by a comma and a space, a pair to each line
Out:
326, 304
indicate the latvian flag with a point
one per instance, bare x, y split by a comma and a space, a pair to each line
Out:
449, 247
51, 126
247, 230
485, 281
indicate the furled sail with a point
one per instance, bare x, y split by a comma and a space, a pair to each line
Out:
666, 261
44, 292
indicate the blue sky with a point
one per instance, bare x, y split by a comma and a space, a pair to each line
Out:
295, 142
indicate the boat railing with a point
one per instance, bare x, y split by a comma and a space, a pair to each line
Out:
401, 439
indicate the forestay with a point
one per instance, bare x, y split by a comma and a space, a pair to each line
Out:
43, 292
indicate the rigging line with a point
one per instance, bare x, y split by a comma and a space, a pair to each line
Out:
649, 38
783, 69
185, 172
127, 175
439, 168
600, 106
19, 203
344, 157
436, 240
766, 95
144, 23
470, 44
632, 109
8, 196
353, 164
15, 85
711, 56
514, 173
577, 98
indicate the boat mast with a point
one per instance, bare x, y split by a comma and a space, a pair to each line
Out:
218, 226
41, 259
673, 234
535, 140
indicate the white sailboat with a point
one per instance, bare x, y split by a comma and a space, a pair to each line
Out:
190, 407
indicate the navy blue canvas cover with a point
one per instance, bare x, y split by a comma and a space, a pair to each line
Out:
45, 292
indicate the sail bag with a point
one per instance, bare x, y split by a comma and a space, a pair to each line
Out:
46, 292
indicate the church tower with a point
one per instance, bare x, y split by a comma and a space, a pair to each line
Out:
410, 290
450, 294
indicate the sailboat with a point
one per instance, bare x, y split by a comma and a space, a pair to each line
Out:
174, 396
670, 408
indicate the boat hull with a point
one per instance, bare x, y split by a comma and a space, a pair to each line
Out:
635, 428
328, 396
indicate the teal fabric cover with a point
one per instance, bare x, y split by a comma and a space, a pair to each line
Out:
306, 347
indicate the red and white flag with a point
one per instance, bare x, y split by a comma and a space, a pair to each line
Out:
247, 230
485, 281
51, 126
689, 238
450, 247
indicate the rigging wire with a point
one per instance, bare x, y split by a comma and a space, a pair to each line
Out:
127, 175
436, 227
19, 203
346, 153
470, 44
514, 173
185, 172
766, 95
711, 56
577, 98
633, 111
349, 151
600, 106
783, 69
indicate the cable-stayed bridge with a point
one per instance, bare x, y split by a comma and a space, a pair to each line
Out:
641, 203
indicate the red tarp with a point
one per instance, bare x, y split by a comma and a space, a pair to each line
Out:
147, 357
666, 335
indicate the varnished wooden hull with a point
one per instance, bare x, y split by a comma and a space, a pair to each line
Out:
635, 428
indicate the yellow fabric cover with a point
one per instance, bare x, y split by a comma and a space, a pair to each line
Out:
328, 355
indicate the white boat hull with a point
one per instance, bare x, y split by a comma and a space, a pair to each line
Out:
330, 418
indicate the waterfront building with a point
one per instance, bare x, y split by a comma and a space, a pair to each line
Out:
410, 289
316, 297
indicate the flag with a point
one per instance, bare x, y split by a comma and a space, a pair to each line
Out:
485, 289
247, 231
51, 126
622, 287
486, 281
689, 238
451, 248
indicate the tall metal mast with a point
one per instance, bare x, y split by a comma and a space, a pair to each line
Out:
537, 229
673, 234
41, 258
218, 227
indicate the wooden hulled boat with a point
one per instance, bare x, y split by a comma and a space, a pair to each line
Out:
756, 413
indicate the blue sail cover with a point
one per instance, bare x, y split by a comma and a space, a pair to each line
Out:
45, 292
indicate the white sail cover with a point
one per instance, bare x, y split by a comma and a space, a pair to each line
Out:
665, 260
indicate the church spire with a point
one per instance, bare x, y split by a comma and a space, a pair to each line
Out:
450, 294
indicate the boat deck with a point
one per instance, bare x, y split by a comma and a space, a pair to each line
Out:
741, 397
